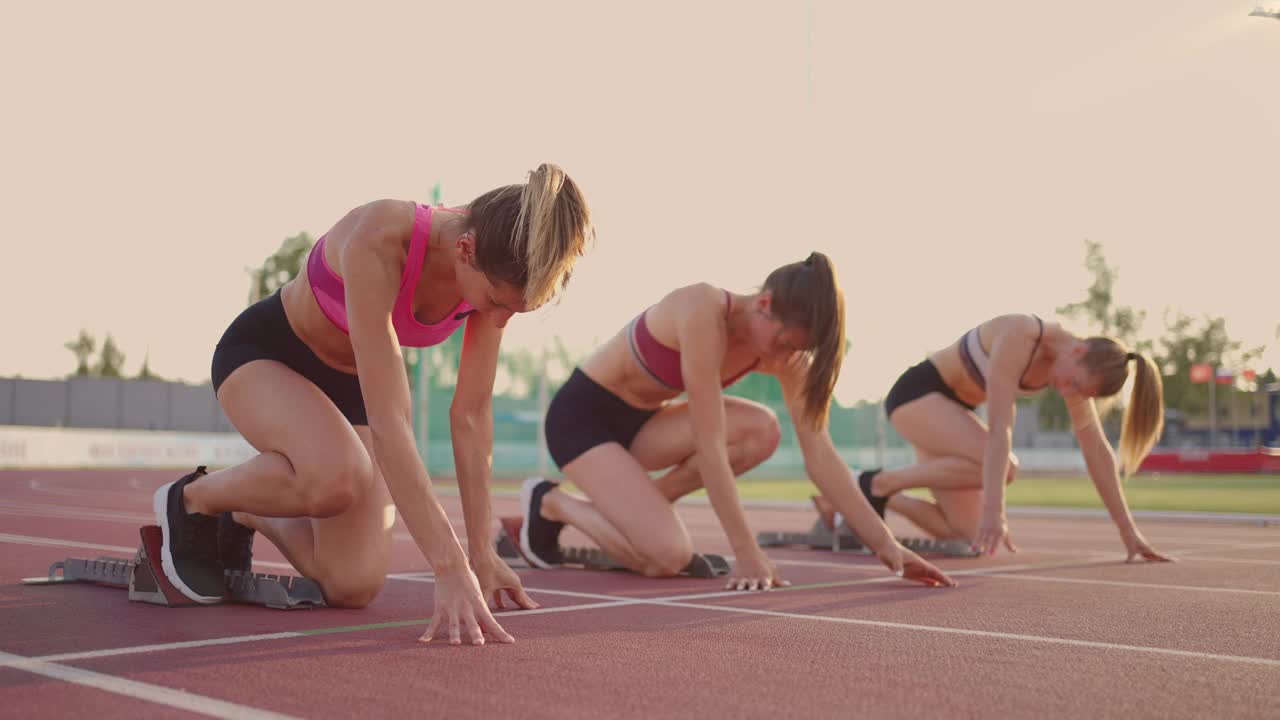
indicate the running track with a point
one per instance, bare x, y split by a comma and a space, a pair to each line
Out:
1062, 629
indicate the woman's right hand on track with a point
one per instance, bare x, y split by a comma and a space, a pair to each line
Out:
992, 533
755, 571
910, 566
461, 608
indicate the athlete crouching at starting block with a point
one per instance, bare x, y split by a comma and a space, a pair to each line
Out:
619, 416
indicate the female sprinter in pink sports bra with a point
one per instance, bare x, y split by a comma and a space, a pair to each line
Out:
313, 378
618, 417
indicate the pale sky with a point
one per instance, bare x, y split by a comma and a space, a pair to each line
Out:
951, 157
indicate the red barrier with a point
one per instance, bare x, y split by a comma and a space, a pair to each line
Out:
1261, 460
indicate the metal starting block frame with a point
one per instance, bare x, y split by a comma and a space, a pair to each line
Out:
702, 565
144, 577
831, 532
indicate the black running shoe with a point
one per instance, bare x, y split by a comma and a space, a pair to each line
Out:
539, 537
878, 503
189, 550
235, 544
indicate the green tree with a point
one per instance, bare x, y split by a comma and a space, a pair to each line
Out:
1099, 309
110, 360
281, 267
83, 348
1187, 342
145, 373
1103, 315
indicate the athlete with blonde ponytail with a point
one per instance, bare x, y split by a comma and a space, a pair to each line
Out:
966, 463
619, 416
313, 378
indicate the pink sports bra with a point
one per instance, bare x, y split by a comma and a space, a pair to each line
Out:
330, 296
663, 363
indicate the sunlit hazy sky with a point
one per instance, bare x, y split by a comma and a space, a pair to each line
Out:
951, 157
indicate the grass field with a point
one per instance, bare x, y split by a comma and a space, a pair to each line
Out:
1204, 493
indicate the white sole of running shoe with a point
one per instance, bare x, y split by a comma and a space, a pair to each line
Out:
526, 497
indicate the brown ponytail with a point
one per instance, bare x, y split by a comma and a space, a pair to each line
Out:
807, 295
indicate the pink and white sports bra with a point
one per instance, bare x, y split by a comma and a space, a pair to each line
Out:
663, 363
331, 297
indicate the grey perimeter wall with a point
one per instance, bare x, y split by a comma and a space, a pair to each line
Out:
111, 403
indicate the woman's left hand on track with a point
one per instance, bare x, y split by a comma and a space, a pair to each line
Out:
496, 578
460, 608
1139, 547
992, 533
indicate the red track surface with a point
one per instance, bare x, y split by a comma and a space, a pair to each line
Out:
1062, 629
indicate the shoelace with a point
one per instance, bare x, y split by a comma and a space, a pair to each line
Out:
243, 544
200, 539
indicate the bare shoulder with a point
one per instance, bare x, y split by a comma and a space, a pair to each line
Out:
693, 297
379, 223
697, 308
1013, 326
377, 230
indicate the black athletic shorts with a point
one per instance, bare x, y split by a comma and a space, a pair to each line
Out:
918, 381
583, 414
262, 332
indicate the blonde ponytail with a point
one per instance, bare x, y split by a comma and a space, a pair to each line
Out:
559, 226
1144, 415
529, 236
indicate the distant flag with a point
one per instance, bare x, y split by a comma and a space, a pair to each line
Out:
1201, 373
1249, 380
1224, 376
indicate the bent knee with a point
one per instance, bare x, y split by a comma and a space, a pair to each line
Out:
667, 561
762, 434
1013, 469
332, 490
351, 593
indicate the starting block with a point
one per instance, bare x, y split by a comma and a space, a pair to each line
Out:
831, 532
144, 577
702, 565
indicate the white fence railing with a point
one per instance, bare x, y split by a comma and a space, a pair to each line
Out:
37, 447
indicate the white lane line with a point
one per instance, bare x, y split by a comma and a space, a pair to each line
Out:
1084, 555
1244, 561
856, 567
1121, 583
111, 652
31, 540
19, 661
56, 542
1037, 536
609, 601
982, 633
887, 578
157, 694
69, 513
1247, 546
682, 602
